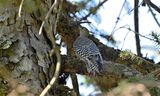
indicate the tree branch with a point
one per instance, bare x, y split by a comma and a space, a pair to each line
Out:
136, 24
55, 49
49, 12
20, 8
148, 2
154, 16
75, 83
95, 9
114, 63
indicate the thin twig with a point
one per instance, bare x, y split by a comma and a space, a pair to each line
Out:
148, 2
20, 8
125, 26
54, 50
120, 18
153, 15
140, 34
49, 12
132, 10
91, 12
124, 40
54, 78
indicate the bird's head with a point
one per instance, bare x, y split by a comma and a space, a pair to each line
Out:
84, 32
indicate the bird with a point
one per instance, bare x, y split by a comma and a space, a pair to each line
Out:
88, 52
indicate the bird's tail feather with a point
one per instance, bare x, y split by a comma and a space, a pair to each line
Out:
94, 66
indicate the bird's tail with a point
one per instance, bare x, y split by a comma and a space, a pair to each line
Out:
95, 65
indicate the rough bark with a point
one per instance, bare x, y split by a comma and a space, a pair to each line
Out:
24, 53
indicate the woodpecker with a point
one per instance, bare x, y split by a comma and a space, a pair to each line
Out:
88, 52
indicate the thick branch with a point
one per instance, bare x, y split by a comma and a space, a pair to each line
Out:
119, 69
109, 67
120, 64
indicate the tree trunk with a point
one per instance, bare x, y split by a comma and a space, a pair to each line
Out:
24, 55
136, 24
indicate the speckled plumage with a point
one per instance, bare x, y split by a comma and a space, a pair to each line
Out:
87, 51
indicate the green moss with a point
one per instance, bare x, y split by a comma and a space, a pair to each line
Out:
148, 77
6, 52
133, 79
128, 55
6, 44
155, 91
3, 88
